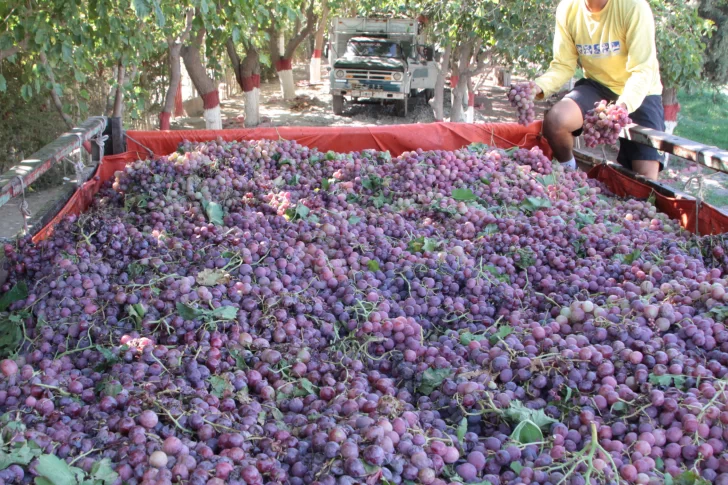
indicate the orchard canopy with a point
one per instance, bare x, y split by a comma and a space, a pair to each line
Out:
123, 57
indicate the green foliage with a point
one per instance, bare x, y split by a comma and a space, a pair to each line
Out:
680, 34
716, 54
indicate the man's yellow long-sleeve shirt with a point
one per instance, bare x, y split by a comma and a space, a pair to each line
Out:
616, 48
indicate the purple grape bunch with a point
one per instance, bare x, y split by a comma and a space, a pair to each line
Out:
521, 96
264, 313
604, 123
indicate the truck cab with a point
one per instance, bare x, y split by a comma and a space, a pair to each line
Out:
379, 60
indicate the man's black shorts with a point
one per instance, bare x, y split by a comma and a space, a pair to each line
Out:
587, 93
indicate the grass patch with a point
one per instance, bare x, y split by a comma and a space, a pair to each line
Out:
704, 117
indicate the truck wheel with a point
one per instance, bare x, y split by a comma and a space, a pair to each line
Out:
402, 107
338, 104
429, 94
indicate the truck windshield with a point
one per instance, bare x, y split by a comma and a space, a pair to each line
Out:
374, 48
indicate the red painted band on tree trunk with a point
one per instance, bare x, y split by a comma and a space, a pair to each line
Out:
164, 118
256, 80
471, 99
211, 100
671, 111
454, 81
317, 53
179, 109
284, 65
248, 84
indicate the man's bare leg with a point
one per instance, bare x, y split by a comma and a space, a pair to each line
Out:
646, 168
559, 124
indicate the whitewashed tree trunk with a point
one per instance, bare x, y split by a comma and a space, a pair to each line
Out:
252, 110
315, 68
439, 99
315, 65
213, 118
470, 112
207, 87
285, 76
671, 107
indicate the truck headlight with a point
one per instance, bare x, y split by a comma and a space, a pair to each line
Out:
340, 74
397, 76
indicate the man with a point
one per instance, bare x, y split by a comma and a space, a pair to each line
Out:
614, 42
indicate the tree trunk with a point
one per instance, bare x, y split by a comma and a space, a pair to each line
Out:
283, 57
118, 111
439, 99
463, 81
175, 77
470, 112
315, 66
671, 107
203, 83
247, 74
54, 95
251, 86
173, 98
112, 90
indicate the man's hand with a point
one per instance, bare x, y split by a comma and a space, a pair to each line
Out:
536, 90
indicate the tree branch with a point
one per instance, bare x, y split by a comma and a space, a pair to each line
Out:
293, 44
14, 49
234, 60
54, 95
189, 17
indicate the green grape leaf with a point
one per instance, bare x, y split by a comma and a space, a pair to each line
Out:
431, 379
102, 473
219, 386
18, 454
467, 337
212, 277
308, 386
527, 432
187, 312
57, 471
18, 292
214, 212
503, 332
463, 195
225, 313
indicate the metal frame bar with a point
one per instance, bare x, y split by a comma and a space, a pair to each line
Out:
39, 162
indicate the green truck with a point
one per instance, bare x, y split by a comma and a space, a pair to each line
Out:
383, 60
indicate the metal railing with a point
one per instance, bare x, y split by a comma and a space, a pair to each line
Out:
19, 177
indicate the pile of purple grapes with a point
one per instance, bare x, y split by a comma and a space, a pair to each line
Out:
521, 96
604, 123
264, 313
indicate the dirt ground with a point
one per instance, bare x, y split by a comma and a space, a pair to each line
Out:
312, 107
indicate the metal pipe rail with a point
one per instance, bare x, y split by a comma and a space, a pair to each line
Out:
39, 162
711, 157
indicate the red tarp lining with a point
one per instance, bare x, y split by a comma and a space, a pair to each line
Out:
395, 138
710, 220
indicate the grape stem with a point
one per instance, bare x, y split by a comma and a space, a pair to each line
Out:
586, 457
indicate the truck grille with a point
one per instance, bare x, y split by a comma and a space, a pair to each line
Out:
362, 75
